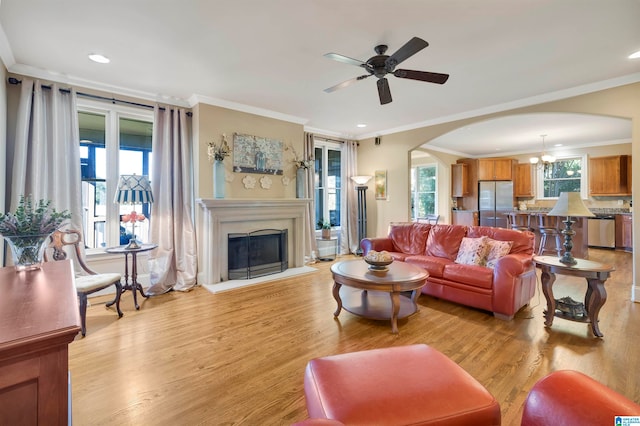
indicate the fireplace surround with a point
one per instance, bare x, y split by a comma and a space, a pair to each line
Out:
220, 217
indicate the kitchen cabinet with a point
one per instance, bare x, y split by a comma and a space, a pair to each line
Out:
464, 217
39, 318
459, 180
523, 185
495, 169
610, 176
624, 232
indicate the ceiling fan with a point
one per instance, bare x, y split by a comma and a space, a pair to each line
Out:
381, 65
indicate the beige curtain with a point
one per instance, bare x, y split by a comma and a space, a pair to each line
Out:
309, 153
174, 263
44, 159
349, 236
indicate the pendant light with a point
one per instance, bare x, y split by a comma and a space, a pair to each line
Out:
544, 159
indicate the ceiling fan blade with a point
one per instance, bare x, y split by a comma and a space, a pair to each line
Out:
431, 77
410, 48
345, 59
383, 91
346, 83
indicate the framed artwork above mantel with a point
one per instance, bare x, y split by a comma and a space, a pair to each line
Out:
256, 154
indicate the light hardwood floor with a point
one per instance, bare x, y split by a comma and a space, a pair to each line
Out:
238, 358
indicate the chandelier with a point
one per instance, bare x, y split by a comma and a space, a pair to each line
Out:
544, 159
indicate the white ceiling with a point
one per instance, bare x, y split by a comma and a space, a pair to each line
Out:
267, 57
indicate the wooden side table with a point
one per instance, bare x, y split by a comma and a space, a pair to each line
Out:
595, 273
134, 286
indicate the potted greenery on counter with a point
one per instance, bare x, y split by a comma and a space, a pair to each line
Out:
26, 231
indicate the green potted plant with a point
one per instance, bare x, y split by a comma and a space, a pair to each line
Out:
26, 231
325, 226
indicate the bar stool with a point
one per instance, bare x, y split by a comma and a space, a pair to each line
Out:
519, 221
548, 226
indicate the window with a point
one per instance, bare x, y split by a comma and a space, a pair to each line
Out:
328, 182
564, 175
424, 191
114, 140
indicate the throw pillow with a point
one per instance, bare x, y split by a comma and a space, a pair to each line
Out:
473, 251
496, 250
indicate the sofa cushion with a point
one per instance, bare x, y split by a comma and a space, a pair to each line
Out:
473, 251
444, 241
522, 240
477, 276
409, 238
495, 250
433, 265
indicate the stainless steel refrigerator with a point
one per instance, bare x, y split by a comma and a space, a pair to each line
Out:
495, 199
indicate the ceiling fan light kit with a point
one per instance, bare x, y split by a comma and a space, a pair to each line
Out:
380, 65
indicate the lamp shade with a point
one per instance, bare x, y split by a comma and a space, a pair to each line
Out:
133, 189
570, 204
361, 180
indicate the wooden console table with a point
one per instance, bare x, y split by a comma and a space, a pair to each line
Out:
595, 273
39, 317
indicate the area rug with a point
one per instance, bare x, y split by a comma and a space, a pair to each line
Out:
233, 284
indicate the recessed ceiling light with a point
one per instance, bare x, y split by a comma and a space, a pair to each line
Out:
96, 57
558, 144
635, 55
361, 125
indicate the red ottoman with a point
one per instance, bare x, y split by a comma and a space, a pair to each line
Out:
405, 385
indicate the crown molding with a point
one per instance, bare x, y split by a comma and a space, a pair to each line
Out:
196, 99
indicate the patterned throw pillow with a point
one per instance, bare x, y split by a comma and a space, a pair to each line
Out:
495, 250
473, 251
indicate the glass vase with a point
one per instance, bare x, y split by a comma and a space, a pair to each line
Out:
27, 251
218, 179
300, 178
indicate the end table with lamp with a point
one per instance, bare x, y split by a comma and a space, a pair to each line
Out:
134, 285
133, 189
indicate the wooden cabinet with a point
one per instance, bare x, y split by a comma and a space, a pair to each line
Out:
523, 185
610, 176
624, 232
495, 169
459, 180
39, 317
464, 217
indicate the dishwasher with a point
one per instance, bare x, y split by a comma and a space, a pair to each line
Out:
601, 231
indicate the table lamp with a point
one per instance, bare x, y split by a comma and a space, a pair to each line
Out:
133, 189
570, 205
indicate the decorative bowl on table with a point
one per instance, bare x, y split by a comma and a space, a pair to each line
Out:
378, 261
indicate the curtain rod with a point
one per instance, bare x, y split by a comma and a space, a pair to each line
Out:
13, 80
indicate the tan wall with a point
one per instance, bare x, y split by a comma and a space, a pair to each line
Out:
210, 122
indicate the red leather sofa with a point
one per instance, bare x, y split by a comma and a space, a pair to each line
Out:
503, 289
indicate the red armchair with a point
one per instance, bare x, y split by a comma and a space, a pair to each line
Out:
569, 398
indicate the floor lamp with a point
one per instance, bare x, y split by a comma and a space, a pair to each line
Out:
361, 189
133, 189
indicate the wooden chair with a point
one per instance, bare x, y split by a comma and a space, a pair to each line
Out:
548, 227
519, 221
85, 284
430, 219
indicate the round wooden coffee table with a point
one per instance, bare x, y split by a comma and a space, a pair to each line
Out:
366, 297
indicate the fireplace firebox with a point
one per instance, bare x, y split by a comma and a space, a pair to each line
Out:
257, 253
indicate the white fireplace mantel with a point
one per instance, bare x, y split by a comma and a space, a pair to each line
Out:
224, 216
